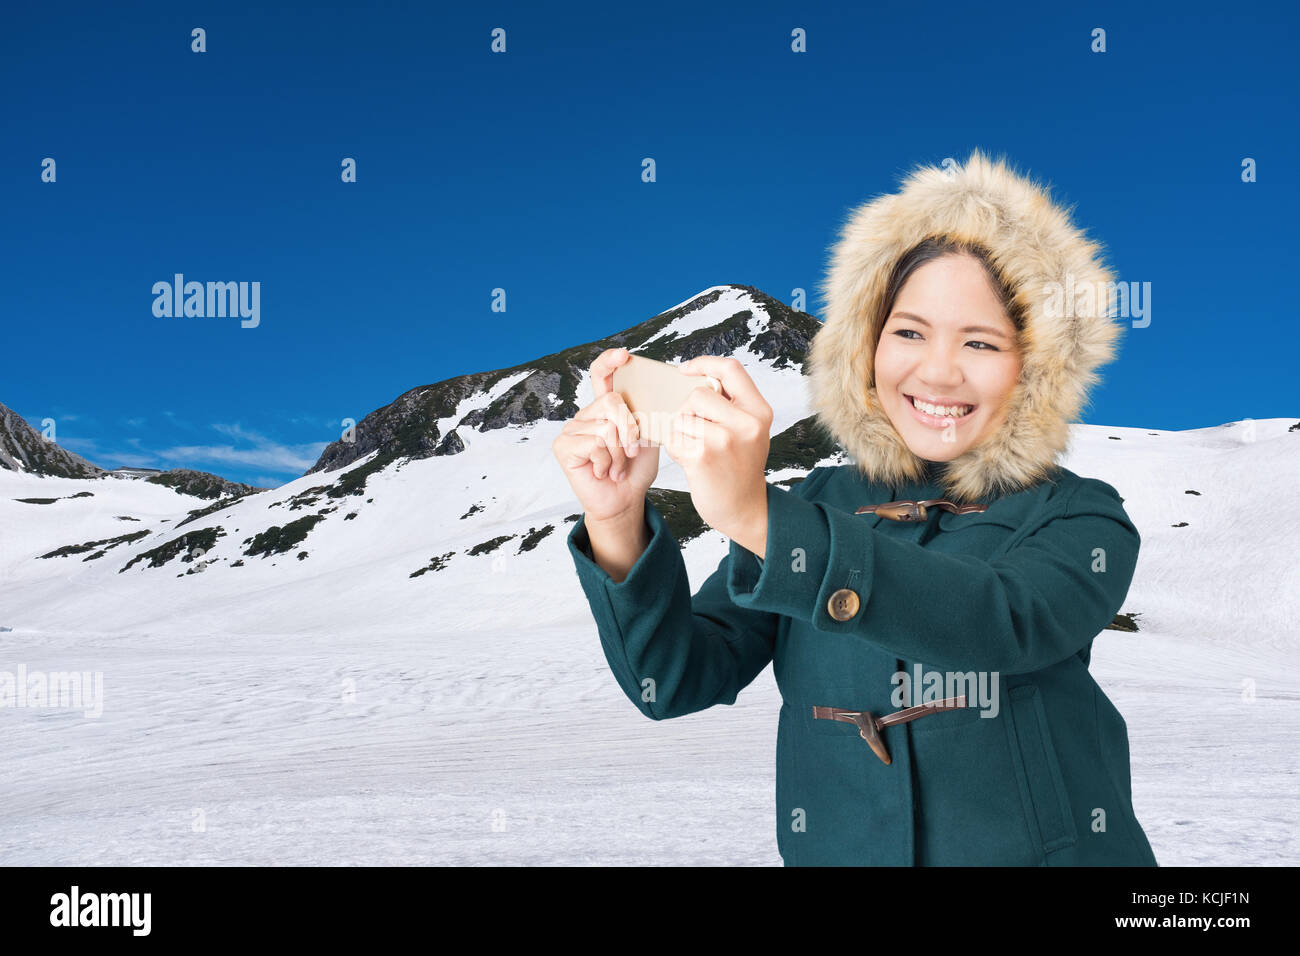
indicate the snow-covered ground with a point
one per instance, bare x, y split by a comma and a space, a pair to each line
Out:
335, 710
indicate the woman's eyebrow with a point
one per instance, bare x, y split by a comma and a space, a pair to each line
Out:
969, 328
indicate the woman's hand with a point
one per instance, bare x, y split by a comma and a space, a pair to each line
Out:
600, 453
723, 446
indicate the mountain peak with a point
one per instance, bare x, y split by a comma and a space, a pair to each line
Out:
439, 419
24, 449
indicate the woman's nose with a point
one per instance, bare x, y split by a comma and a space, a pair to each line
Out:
939, 368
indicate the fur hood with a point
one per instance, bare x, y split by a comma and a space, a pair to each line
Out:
1034, 244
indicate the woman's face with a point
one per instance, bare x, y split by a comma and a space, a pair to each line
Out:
947, 341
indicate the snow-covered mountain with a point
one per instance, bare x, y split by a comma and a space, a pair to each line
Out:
390, 658
430, 490
441, 419
23, 448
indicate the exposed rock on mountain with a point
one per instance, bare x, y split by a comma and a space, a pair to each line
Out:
23, 448
435, 419
201, 484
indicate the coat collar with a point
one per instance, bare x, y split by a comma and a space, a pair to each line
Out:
1034, 244
927, 484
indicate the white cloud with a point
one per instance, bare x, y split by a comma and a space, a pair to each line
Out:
246, 448
88, 449
258, 451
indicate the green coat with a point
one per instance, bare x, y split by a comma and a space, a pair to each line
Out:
1015, 590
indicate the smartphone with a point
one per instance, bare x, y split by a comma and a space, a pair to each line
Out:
650, 387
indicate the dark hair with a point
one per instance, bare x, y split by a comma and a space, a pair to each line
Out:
936, 247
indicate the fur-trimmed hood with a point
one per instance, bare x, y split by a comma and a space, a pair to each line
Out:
1033, 243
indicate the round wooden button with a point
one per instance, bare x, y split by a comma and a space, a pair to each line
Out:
843, 604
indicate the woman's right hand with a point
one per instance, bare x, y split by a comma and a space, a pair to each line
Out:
602, 441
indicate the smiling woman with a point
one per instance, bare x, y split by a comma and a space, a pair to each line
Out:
948, 353
945, 374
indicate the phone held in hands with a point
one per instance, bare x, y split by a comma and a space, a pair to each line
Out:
654, 391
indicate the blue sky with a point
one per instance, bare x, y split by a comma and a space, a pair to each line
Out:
522, 171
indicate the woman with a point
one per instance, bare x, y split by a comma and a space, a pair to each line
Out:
949, 367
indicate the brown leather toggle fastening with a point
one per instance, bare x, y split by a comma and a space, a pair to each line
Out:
869, 725
915, 510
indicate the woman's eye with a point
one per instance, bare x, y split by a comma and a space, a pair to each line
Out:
907, 333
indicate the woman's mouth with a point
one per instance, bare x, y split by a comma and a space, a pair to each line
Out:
939, 416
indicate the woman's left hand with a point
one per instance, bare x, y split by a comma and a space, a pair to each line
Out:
723, 446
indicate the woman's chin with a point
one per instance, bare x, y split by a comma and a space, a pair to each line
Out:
930, 446
941, 455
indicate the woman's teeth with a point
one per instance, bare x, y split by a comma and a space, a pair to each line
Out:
950, 411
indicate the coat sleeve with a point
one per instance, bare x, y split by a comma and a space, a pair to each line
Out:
1024, 610
697, 651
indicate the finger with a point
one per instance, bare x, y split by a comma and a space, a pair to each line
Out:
608, 436
695, 428
605, 407
596, 426
602, 370
611, 407
633, 437
674, 442
706, 403
735, 380
594, 442
681, 441
575, 450
572, 452
618, 413
598, 454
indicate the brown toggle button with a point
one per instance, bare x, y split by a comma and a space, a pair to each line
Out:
869, 725
915, 510
844, 604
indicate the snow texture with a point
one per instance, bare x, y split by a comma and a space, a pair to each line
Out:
335, 710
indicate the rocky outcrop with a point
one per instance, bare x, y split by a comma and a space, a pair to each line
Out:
433, 420
201, 484
23, 448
